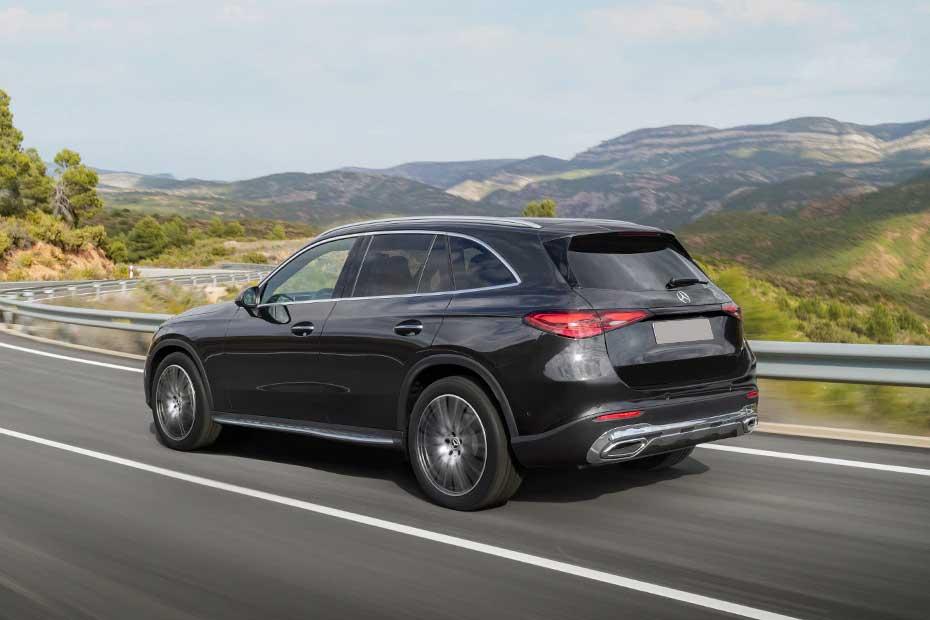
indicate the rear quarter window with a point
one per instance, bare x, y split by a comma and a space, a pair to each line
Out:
628, 263
475, 266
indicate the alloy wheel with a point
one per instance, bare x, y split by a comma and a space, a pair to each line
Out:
175, 402
451, 444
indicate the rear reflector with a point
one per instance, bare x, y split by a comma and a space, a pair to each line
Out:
752, 394
620, 415
733, 310
583, 323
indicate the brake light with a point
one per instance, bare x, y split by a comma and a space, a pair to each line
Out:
620, 415
752, 394
733, 310
583, 323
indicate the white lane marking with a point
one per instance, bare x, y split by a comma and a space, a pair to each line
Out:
399, 528
68, 358
898, 469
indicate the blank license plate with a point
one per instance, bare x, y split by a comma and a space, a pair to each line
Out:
686, 330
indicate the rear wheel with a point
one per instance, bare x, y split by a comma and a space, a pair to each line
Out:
661, 461
179, 405
458, 447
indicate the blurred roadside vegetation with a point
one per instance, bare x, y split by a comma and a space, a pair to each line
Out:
788, 311
175, 241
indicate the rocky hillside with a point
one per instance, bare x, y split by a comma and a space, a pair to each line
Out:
862, 248
667, 176
312, 198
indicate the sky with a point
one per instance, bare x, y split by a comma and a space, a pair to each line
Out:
238, 89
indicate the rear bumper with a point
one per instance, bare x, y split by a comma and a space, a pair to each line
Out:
588, 443
630, 442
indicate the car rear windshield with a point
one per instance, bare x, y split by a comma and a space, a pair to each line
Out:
629, 263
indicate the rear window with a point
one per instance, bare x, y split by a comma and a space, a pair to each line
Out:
628, 263
393, 265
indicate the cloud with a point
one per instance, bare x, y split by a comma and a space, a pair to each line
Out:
18, 22
241, 13
669, 20
654, 21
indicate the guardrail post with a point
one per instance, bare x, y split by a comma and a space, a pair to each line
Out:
122, 286
97, 290
49, 292
72, 290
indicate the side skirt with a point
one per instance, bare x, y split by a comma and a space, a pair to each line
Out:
335, 432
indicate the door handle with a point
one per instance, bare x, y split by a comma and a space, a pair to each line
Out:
410, 327
302, 329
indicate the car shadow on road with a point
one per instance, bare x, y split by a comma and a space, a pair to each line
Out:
541, 485
576, 485
302, 451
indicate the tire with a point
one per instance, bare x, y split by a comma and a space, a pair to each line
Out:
458, 447
179, 405
659, 462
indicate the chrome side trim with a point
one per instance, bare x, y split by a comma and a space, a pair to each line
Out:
512, 271
744, 421
465, 219
323, 431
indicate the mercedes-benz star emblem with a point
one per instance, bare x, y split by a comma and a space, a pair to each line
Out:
683, 297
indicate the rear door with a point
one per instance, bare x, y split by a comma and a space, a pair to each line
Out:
688, 337
392, 314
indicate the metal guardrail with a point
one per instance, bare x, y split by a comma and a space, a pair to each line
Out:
32, 303
91, 317
901, 365
878, 364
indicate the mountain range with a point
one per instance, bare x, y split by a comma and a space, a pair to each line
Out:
667, 176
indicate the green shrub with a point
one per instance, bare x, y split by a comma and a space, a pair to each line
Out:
233, 229
5, 243
117, 251
277, 232
146, 239
24, 261
220, 250
254, 257
16, 230
177, 233
880, 326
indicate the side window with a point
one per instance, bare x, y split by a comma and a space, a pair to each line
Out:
474, 266
437, 276
393, 265
312, 275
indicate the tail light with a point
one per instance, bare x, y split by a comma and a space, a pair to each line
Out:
733, 310
583, 323
752, 394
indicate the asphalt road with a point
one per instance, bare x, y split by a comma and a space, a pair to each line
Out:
97, 520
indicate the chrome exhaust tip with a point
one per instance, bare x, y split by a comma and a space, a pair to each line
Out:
622, 450
749, 424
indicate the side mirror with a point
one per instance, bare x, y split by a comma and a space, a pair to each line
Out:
248, 298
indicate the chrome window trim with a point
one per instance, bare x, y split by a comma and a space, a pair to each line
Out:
465, 219
518, 281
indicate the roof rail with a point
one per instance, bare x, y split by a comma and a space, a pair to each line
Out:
479, 219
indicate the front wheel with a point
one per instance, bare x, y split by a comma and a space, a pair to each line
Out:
458, 447
179, 405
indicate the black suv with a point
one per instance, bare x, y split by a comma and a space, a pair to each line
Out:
479, 346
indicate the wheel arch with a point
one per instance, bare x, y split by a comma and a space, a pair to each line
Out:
163, 349
442, 365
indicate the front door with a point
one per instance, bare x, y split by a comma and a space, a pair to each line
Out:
271, 363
